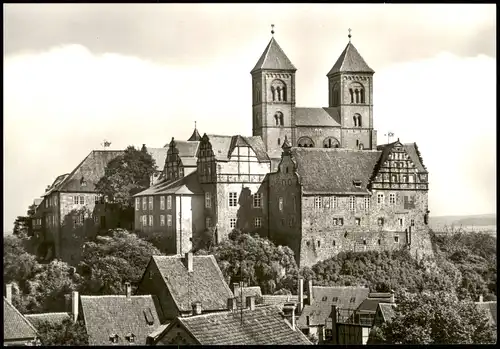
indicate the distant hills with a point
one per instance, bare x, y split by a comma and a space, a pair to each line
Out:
482, 220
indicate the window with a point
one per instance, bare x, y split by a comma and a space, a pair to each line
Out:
151, 203
367, 203
324, 298
258, 222
405, 179
169, 220
392, 198
208, 222
280, 204
150, 220
137, 203
338, 221
317, 202
208, 200
257, 200
82, 200
144, 204
335, 299
380, 198
364, 241
400, 222
305, 142
162, 220
319, 243
380, 221
278, 91
412, 222
396, 239
162, 202
333, 243
144, 220
130, 337
233, 199
409, 202
292, 222
232, 223
352, 202
411, 179
75, 200
357, 221
331, 142
357, 120
334, 202
96, 201
278, 117
379, 242
113, 338
336, 95
352, 300
169, 202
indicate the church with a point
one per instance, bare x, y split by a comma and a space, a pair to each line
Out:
313, 179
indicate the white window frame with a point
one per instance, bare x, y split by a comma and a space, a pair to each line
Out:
76, 200
401, 222
233, 199
396, 239
162, 220
352, 203
367, 203
380, 198
208, 200
257, 200
357, 221
137, 203
258, 222
232, 223
169, 202
318, 202
144, 203
334, 203
169, 220
392, 198
280, 204
151, 203
144, 219
82, 200
162, 202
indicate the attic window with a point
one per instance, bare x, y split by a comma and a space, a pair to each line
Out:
353, 299
357, 183
324, 298
113, 338
83, 182
148, 315
130, 337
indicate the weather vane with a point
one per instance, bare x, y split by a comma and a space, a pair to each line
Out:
349, 36
389, 135
195, 124
272, 29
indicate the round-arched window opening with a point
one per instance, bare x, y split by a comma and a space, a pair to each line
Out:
305, 142
331, 142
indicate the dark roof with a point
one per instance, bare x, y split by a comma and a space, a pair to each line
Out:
341, 166
273, 58
187, 185
15, 325
369, 306
53, 318
56, 184
317, 117
195, 136
491, 309
325, 297
223, 146
350, 61
206, 284
262, 326
387, 310
106, 316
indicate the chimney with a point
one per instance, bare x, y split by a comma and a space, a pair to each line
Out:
334, 324
289, 312
196, 308
188, 262
128, 290
481, 299
8, 293
393, 300
236, 286
251, 302
308, 321
300, 292
231, 304
74, 306
310, 292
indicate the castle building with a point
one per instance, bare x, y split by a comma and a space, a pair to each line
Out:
313, 179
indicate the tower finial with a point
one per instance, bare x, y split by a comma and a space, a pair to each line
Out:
349, 36
272, 29
195, 125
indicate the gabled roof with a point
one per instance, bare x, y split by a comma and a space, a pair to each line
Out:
264, 325
187, 185
56, 184
325, 297
246, 291
37, 202
387, 310
350, 61
206, 284
491, 310
159, 155
223, 146
273, 58
317, 117
15, 325
410, 148
341, 166
54, 318
107, 316
279, 300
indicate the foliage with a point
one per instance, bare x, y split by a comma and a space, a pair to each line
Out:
435, 318
205, 240
65, 333
18, 264
111, 261
22, 226
254, 259
127, 175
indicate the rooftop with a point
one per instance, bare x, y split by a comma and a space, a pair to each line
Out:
350, 61
273, 58
15, 325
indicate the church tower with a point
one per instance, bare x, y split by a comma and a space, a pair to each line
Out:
273, 98
350, 91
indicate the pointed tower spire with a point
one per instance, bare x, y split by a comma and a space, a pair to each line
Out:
273, 57
350, 61
195, 136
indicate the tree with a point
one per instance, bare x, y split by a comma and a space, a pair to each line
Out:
64, 333
18, 264
435, 318
111, 261
22, 226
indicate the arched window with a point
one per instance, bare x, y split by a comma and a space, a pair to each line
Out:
305, 142
362, 95
361, 146
279, 118
331, 142
357, 120
278, 90
335, 95
357, 92
279, 141
273, 92
351, 92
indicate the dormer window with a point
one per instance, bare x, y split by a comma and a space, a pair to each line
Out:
357, 183
83, 182
113, 338
148, 316
130, 338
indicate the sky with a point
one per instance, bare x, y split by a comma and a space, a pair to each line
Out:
76, 74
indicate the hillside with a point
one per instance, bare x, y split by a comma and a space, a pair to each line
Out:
476, 220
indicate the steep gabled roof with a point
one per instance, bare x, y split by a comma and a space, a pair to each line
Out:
53, 318
159, 155
341, 166
206, 284
107, 316
279, 300
350, 61
264, 325
195, 136
273, 58
223, 146
187, 185
387, 310
56, 184
317, 117
15, 325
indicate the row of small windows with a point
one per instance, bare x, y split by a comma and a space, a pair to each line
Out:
149, 204
334, 243
356, 94
150, 222
233, 199
257, 222
331, 202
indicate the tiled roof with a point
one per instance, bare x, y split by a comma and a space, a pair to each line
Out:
317, 117
158, 331
325, 297
257, 145
56, 184
350, 61
107, 316
411, 149
53, 318
369, 305
187, 185
15, 325
262, 326
273, 58
279, 300
159, 155
222, 146
37, 202
341, 166
187, 149
491, 309
247, 291
387, 310
206, 284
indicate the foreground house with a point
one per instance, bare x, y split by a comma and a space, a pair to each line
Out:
179, 281
17, 330
255, 325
